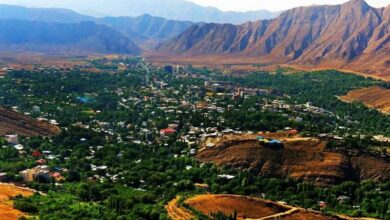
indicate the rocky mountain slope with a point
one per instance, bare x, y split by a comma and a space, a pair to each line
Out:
146, 27
353, 35
15, 123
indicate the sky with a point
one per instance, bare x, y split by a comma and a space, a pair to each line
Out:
275, 5
224, 5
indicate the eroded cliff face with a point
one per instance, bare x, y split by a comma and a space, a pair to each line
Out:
299, 159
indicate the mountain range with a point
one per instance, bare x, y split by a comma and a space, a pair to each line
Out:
170, 9
84, 37
353, 36
145, 30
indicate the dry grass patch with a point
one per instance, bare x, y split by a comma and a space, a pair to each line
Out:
7, 192
373, 97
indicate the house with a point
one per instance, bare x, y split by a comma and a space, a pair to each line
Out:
36, 154
293, 132
19, 147
3, 177
168, 69
322, 204
57, 176
226, 176
167, 132
12, 139
343, 199
39, 172
202, 186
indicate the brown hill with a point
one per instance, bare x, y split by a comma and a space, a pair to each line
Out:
373, 97
301, 158
15, 123
349, 36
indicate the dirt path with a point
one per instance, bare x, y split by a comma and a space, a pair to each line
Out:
176, 212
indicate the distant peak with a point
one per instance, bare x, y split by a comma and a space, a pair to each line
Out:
360, 3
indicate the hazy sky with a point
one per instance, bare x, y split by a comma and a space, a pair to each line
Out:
225, 5
275, 5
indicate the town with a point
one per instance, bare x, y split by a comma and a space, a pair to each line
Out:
120, 114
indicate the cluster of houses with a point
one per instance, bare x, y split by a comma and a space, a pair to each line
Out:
42, 172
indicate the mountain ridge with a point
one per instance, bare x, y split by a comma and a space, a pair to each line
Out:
21, 35
141, 29
333, 36
170, 9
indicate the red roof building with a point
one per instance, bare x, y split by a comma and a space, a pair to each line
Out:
293, 132
41, 162
36, 154
167, 131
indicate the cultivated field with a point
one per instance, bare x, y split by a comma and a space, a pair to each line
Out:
246, 208
7, 211
372, 97
249, 208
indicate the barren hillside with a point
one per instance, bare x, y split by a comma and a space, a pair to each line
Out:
373, 97
15, 123
303, 159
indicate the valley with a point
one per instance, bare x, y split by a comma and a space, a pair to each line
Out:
174, 110
133, 133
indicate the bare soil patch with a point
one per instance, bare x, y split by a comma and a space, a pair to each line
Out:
373, 97
246, 207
